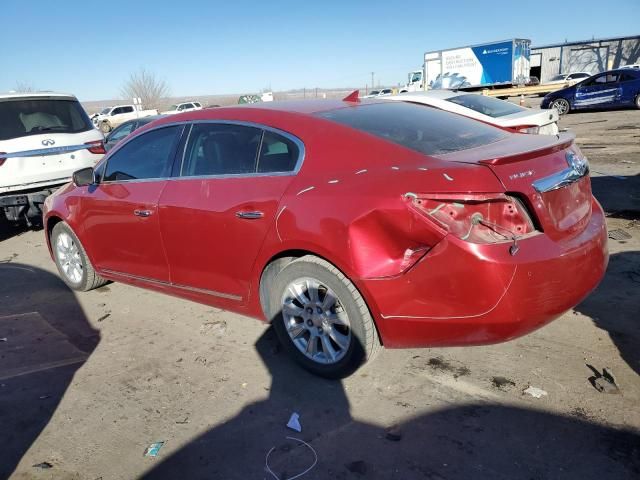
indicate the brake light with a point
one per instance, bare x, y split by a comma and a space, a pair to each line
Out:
533, 129
2, 158
476, 218
96, 147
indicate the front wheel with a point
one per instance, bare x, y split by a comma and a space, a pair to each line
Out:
638, 101
321, 318
72, 261
561, 105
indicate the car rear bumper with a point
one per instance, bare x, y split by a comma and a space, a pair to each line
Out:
25, 205
469, 294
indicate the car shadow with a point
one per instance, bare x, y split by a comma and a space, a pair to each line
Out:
619, 195
44, 339
476, 440
614, 306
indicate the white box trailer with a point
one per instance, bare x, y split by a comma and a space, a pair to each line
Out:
503, 63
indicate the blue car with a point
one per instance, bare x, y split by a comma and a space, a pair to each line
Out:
612, 89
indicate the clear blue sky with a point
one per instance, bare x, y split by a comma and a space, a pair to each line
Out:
200, 47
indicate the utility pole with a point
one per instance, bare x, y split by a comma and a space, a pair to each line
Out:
372, 83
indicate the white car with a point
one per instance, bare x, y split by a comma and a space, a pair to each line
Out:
182, 107
379, 93
44, 138
633, 65
110, 117
569, 78
487, 109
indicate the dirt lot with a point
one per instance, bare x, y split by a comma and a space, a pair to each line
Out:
88, 381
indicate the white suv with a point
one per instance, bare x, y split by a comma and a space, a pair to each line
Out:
44, 138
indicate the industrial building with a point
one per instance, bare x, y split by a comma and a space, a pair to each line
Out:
590, 56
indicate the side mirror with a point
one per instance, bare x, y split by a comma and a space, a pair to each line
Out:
84, 177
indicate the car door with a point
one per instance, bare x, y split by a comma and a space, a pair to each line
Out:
215, 215
600, 91
120, 217
629, 87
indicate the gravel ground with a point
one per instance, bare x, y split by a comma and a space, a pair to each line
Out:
88, 381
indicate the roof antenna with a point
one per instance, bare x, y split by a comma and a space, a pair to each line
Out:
352, 97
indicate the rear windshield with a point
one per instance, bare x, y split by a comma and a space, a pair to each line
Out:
21, 117
418, 127
486, 105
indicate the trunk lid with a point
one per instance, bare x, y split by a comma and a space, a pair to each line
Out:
543, 171
529, 117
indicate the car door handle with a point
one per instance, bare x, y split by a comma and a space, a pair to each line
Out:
142, 213
250, 215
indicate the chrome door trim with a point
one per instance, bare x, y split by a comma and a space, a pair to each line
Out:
187, 288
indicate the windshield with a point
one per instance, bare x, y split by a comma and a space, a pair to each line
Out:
558, 77
375, 92
104, 111
20, 117
418, 127
486, 105
173, 107
416, 77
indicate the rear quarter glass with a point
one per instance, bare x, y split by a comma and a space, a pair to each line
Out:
421, 128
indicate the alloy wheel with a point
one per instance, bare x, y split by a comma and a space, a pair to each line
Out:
561, 105
316, 321
69, 259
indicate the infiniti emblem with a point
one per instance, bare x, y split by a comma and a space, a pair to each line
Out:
47, 142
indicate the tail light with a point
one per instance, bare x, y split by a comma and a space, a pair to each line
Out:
534, 129
477, 218
2, 158
96, 147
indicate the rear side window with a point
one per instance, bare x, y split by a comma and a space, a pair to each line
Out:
220, 149
147, 156
21, 117
486, 105
277, 154
418, 127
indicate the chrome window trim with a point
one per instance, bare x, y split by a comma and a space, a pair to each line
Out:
277, 131
299, 143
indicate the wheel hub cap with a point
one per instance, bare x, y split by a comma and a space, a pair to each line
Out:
315, 320
68, 256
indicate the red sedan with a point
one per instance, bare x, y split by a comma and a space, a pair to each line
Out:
346, 224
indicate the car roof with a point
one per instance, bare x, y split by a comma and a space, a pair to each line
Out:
36, 95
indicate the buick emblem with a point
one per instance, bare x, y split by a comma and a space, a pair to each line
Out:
578, 164
47, 142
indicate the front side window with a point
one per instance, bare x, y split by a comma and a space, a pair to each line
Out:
221, 149
147, 156
418, 127
492, 107
20, 117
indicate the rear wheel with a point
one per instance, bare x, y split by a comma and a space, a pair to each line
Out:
321, 318
638, 101
561, 105
72, 261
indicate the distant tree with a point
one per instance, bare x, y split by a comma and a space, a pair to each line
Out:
146, 86
24, 87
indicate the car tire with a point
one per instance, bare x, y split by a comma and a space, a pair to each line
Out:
105, 127
561, 105
638, 101
330, 342
72, 261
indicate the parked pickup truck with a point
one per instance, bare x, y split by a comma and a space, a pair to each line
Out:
110, 117
44, 138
